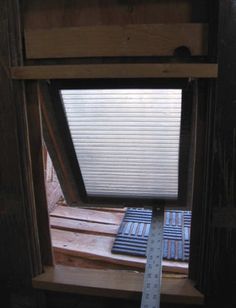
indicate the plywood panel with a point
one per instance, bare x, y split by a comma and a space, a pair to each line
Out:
116, 41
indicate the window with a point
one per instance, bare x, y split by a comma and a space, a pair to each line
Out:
126, 144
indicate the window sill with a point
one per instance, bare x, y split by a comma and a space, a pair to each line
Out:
114, 283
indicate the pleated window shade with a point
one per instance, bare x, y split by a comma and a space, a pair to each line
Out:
126, 140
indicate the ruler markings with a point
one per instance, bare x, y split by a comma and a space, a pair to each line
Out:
153, 270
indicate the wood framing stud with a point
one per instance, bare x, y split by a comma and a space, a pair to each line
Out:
116, 41
141, 70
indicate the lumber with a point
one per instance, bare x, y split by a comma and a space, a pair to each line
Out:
88, 215
98, 247
36, 150
91, 246
114, 283
83, 226
116, 40
121, 70
107, 209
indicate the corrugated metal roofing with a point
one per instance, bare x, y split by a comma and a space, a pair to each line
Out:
126, 140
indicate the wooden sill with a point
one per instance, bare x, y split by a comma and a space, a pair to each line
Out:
114, 283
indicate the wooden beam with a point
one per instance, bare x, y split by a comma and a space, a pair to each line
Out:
36, 150
83, 226
20, 250
116, 41
98, 247
55, 146
87, 215
114, 283
141, 70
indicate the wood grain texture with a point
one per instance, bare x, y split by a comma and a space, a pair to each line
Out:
113, 283
92, 247
98, 247
63, 13
55, 147
218, 247
62, 223
90, 71
36, 150
88, 215
116, 41
20, 256
76, 261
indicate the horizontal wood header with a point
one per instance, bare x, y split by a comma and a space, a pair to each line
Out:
114, 283
116, 41
93, 71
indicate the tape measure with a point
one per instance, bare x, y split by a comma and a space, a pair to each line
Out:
153, 269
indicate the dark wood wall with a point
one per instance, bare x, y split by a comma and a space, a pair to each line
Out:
21, 254
220, 246
67, 13
18, 238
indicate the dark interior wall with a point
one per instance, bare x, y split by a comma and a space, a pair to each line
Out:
220, 246
64, 13
20, 250
20, 256
215, 269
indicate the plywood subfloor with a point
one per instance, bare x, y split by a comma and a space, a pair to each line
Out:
84, 238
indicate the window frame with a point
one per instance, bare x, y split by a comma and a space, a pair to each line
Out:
186, 138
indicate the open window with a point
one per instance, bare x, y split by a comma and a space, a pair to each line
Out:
102, 134
121, 143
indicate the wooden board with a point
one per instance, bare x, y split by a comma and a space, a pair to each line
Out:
91, 246
113, 283
140, 70
76, 261
88, 215
36, 149
116, 41
108, 209
40, 14
83, 226
98, 247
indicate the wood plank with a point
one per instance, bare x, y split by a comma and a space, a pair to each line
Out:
76, 261
99, 248
36, 150
114, 283
169, 267
140, 70
83, 226
116, 41
88, 215
108, 209
91, 246
63, 13
20, 257
55, 146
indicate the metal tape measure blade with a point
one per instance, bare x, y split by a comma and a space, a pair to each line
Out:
153, 270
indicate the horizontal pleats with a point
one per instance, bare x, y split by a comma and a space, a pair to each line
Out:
126, 140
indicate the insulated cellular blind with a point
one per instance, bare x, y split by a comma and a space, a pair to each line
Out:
126, 140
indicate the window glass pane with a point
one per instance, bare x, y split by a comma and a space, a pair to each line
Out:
126, 140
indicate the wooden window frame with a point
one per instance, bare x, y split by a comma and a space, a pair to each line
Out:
55, 282
52, 107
